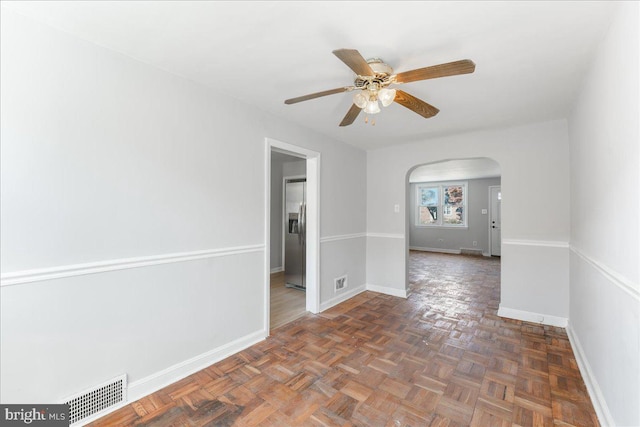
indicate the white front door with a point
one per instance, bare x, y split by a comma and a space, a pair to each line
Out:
495, 219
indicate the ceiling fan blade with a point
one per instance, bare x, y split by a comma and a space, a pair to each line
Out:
317, 95
464, 66
351, 115
355, 61
415, 104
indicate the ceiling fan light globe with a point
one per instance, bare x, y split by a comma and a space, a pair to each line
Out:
386, 96
372, 107
360, 99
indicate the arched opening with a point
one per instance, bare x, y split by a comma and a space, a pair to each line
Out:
453, 206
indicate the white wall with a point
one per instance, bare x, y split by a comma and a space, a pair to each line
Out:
455, 239
133, 206
275, 262
535, 179
605, 294
294, 168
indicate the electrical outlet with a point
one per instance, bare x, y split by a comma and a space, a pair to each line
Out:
484, 211
396, 208
475, 243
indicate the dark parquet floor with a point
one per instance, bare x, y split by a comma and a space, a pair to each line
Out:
441, 357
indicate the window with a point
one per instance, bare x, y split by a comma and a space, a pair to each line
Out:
442, 204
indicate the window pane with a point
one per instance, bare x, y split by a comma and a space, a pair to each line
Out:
428, 214
428, 196
453, 195
452, 215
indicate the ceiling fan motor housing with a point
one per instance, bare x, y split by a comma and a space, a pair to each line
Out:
379, 67
383, 73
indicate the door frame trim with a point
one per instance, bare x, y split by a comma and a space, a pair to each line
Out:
313, 224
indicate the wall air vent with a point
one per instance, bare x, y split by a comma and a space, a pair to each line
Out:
97, 399
339, 283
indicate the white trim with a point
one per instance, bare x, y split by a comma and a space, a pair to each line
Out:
597, 399
154, 382
277, 269
266, 302
471, 251
50, 273
622, 282
444, 251
386, 235
342, 297
313, 222
313, 234
532, 317
342, 237
402, 293
353, 292
541, 243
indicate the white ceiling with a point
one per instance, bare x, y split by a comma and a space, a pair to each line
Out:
452, 170
530, 56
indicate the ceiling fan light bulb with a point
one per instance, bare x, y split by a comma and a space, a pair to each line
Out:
386, 96
372, 107
360, 99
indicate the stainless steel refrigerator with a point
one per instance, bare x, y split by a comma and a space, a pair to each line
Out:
295, 263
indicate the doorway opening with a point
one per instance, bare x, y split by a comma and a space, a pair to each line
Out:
495, 220
451, 209
292, 233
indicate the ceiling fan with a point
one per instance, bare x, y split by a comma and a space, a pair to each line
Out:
373, 78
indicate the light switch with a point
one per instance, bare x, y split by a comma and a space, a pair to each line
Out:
396, 208
484, 211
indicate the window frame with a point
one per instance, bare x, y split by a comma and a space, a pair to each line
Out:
441, 185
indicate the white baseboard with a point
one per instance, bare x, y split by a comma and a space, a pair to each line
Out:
402, 293
277, 269
599, 403
529, 316
353, 292
444, 251
170, 375
342, 297
154, 382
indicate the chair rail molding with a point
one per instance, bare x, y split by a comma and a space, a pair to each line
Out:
50, 273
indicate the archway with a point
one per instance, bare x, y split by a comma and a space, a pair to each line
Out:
449, 207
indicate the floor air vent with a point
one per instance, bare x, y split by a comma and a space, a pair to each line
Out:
97, 399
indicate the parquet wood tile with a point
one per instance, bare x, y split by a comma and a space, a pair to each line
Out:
440, 357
